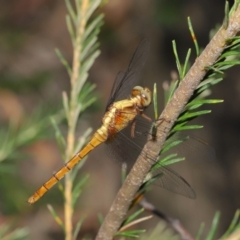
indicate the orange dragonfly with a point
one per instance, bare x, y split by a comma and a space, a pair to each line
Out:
121, 126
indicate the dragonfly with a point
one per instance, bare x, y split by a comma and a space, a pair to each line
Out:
124, 127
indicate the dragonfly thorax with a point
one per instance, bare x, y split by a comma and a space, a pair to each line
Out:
144, 94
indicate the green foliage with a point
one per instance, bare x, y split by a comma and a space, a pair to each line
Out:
15, 137
25, 85
132, 217
213, 228
160, 232
56, 217
12, 139
18, 234
233, 228
78, 228
131, 233
229, 58
77, 190
193, 36
83, 30
130, 221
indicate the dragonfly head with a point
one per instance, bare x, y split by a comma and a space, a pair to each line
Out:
144, 93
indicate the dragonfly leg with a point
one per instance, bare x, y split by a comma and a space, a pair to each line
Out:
133, 128
146, 117
159, 123
161, 120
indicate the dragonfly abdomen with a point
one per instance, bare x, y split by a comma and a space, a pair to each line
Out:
94, 142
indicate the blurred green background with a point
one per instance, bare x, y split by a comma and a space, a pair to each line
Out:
31, 83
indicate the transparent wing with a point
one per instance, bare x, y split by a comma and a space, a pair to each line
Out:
173, 182
192, 148
116, 83
125, 148
123, 143
125, 81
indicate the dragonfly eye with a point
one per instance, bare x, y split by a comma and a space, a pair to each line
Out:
144, 93
136, 91
146, 97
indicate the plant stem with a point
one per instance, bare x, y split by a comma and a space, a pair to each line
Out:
175, 106
73, 115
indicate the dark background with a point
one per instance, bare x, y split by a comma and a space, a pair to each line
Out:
32, 77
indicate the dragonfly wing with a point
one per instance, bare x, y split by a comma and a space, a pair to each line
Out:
173, 182
125, 81
124, 148
192, 148
118, 80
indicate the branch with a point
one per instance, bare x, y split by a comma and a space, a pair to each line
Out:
174, 223
175, 106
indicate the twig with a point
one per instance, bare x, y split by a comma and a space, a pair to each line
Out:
72, 119
175, 223
175, 106
135, 222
